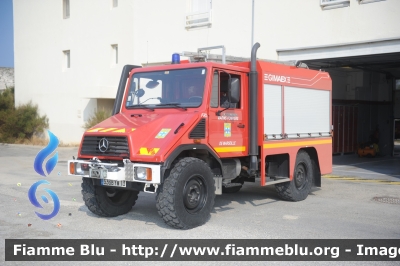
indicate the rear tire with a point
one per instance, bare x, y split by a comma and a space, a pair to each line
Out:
186, 198
300, 186
106, 201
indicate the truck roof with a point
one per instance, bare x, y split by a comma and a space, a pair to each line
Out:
241, 68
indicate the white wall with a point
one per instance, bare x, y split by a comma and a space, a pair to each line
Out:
150, 31
295, 24
67, 96
159, 29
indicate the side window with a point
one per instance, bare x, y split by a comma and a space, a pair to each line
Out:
66, 9
224, 99
198, 14
214, 92
220, 88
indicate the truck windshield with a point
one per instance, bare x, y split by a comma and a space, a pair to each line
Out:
167, 89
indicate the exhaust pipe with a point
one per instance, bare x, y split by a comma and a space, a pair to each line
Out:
253, 117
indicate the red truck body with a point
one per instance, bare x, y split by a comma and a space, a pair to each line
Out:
274, 128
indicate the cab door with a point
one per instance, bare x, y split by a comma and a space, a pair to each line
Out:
228, 129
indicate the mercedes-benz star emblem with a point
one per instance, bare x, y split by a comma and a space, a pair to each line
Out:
103, 145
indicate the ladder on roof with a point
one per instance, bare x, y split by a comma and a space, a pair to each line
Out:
206, 57
202, 55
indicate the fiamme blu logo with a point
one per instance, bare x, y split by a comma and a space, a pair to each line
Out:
49, 166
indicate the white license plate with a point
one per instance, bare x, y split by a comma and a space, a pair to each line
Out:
113, 183
98, 173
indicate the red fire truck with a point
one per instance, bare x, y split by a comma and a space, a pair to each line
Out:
190, 131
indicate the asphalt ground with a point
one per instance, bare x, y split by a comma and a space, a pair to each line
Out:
345, 207
369, 169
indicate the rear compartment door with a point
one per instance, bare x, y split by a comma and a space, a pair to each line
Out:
228, 131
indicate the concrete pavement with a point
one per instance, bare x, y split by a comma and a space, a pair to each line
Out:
339, 209
378, 168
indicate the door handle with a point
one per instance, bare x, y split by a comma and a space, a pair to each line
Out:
240, 125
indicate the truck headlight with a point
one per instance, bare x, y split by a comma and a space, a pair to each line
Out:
143, 173
77, 168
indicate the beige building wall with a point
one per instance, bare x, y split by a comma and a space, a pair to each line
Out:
150, 31
68, 95
305, 24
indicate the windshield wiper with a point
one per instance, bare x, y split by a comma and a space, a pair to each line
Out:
140, 105
177, 105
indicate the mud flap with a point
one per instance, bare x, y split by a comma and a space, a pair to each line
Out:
218, 185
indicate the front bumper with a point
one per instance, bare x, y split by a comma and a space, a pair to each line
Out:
94, 168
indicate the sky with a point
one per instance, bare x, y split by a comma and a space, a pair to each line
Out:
6, 34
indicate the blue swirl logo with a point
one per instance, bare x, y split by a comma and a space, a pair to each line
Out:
38, 166
35, 202
41, 156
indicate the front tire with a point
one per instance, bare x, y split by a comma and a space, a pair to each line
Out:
186, 198
107, 201
300, 186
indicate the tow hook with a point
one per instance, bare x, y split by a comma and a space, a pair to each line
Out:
148, 186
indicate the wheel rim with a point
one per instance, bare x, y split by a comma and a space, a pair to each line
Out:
194, 194
117, 196
301, 176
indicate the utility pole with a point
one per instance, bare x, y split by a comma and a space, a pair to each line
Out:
252, 25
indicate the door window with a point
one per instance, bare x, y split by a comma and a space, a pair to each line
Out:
220, 90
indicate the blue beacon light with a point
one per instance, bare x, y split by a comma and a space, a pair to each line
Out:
176, 58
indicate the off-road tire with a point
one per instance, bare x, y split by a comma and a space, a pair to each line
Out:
108, 202
300, 186
186, 197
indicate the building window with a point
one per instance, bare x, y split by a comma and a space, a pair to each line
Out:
114, 56
369, 1
67, 59
66, 9
331, 4
397, 84
198, 13
114, 3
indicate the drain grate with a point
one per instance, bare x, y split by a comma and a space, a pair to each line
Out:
387, 200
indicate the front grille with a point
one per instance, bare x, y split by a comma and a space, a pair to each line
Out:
199, 131
117, 146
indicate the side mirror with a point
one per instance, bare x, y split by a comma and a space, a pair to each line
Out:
139, 93
152, 84
235, 90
